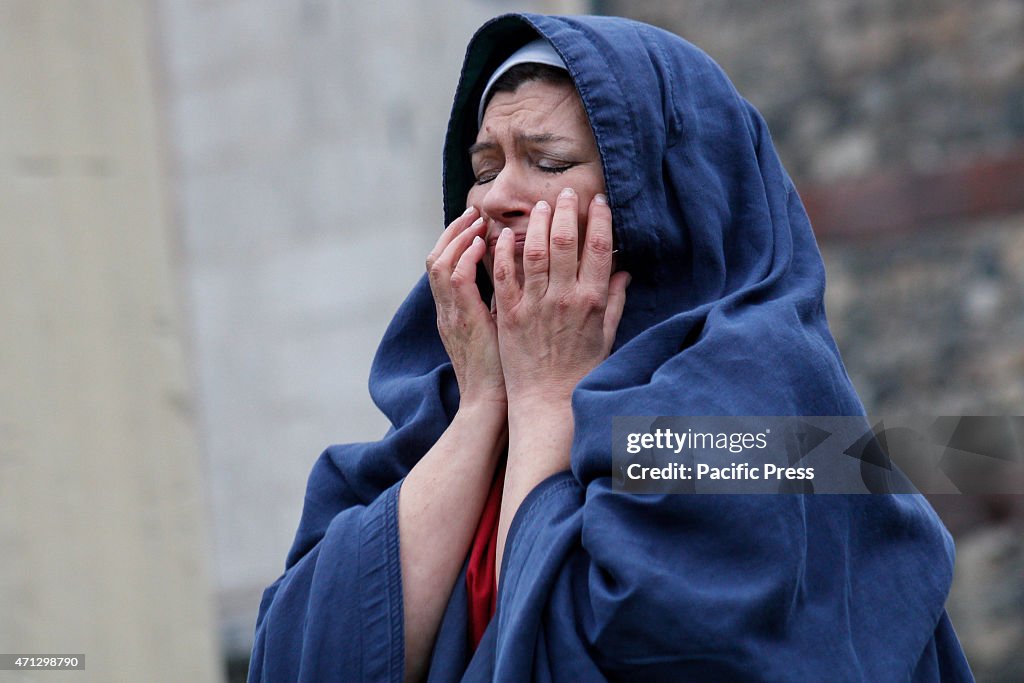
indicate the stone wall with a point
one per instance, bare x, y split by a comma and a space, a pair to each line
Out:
932, 324
851, 86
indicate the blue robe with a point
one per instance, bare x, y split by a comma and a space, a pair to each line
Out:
724, 317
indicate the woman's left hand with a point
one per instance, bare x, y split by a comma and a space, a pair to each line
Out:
560, 323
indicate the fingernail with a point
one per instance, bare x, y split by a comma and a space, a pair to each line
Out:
468, 211
567, 192
477, 223
600, 199
629, 278
477, 239
506, 232
542, 205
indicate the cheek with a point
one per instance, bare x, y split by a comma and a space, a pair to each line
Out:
587, 185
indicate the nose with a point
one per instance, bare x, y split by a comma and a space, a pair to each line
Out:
507, 197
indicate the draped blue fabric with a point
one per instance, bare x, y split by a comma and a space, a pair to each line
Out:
724, 317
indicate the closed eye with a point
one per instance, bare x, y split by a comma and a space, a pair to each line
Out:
486, 177
555, 169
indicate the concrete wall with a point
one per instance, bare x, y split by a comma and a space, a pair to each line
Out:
307, 169
102, 518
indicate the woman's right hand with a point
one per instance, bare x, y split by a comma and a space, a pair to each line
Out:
465, 323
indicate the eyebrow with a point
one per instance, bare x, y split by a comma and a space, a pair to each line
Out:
539, 139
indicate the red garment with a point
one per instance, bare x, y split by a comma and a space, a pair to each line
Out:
481, 583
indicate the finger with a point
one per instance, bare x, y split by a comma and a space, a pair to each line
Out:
596, 259
448, 259
442, 267
506, 286
463, 279
535, 251
616, 303
564, 241
449, 233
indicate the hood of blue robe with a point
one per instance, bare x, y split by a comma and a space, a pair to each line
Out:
724, 316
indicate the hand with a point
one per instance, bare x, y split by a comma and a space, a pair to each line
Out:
561, 322
465, 323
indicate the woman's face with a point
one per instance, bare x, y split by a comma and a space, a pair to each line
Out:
532, 143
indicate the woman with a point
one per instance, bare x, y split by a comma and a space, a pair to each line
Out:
389, 574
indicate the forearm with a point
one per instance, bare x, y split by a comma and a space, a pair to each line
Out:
556, 323
439, 507
540, 440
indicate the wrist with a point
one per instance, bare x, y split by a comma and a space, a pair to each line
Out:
489, 414
540, 405
539, 441
538, 416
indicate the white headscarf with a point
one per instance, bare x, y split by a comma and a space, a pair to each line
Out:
535, 52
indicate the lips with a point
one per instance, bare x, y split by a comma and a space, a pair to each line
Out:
493, 241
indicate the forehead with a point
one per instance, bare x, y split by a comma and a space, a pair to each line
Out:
537, 106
